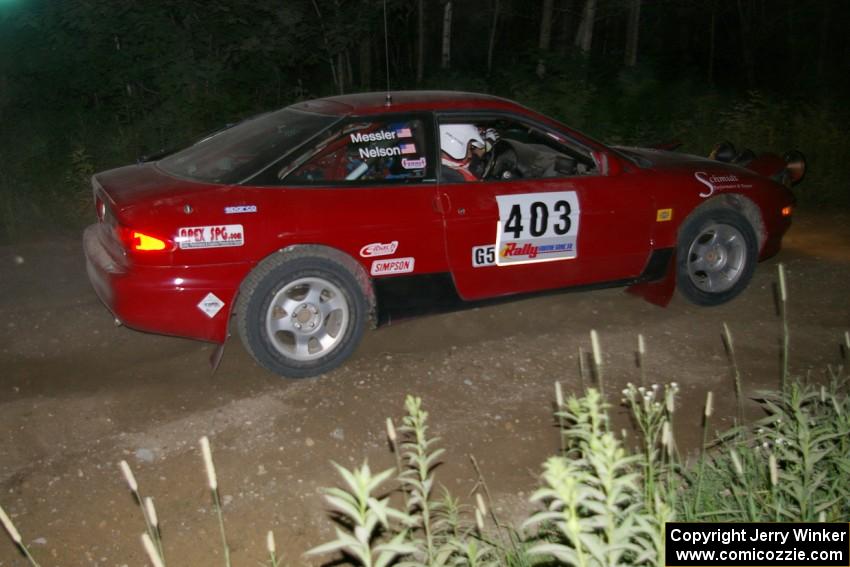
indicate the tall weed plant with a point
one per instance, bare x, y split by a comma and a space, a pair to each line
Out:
601, 501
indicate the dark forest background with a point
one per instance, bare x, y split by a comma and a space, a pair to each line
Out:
91, 84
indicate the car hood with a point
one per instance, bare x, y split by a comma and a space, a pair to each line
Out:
667, 160
145, 184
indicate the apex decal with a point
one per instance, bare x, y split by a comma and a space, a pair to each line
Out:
216, 236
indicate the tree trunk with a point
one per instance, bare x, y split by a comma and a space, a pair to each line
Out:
493, 28
584, 37
336, 76
420, 53
746, 44
366, 65
823, 47
545, 35
566, 27
340, 71
711, 42
632, 33
446, 59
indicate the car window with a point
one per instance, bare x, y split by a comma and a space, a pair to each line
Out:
235, 153
477, 149
364, 151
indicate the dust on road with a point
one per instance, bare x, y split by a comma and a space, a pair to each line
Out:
78, 394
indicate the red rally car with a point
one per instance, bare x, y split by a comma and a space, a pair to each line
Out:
288, 222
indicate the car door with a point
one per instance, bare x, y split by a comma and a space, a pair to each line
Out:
367, 188
565, 215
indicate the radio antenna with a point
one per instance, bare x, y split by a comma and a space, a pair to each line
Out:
389, 99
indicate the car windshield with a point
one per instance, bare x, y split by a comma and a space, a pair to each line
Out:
236, 153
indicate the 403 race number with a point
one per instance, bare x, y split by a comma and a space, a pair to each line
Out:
537, 227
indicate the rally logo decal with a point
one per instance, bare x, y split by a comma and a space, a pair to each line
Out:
717, 182
537, 227
392, 266
215, 236
379, 249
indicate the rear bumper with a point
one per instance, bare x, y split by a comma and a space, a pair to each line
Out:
165, 300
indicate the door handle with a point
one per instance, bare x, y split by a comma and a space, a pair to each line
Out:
442, 203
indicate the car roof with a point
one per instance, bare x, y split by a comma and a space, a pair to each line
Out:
407, 101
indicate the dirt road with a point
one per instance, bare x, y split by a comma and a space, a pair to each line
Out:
77, 395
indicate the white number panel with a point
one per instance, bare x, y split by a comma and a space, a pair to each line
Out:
537, 227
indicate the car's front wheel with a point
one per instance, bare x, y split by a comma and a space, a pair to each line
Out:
716, 256
301, 316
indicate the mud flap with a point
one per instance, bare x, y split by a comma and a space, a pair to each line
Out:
658, 291
216, 356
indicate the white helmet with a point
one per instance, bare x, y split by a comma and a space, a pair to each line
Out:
455, 138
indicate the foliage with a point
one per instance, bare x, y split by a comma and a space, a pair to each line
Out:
121, 79
598, 507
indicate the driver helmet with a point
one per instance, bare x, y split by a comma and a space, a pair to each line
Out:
455, 139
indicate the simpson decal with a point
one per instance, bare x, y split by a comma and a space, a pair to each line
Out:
379, 249
240, 209
413, 163
717, 182
537, 227
392, 266
216, 236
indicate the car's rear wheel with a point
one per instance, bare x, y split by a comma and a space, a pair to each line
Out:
301, 316
716, 256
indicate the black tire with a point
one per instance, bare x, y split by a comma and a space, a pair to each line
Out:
288, 302
716, 256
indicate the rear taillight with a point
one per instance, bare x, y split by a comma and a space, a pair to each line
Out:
146, 243
137, 241
100, 208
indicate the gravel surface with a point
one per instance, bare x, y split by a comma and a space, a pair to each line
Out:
77, 395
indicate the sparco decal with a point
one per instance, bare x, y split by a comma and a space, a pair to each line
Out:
379, 249
240, 209
392, 266
717, 182
217, 236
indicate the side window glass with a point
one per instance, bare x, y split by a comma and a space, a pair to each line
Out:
365, 151
504, 149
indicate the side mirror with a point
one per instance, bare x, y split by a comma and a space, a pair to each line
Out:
607, 163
